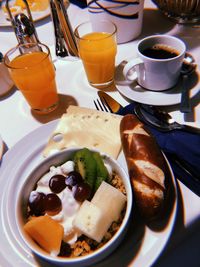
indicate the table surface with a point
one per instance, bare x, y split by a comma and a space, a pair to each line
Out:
16, 120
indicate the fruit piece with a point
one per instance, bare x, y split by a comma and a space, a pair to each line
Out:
85, 164
90, 220
36, 5
81, 191
53, 204
102, 172
109, 200
46, 232
36, 203
73, 178
57, 183
65, 250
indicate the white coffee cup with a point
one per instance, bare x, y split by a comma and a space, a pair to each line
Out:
126, 15
151, 72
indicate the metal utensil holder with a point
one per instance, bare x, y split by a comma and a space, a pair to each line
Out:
65, 40
23, 25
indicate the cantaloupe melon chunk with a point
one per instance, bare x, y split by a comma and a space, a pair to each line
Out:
46, 232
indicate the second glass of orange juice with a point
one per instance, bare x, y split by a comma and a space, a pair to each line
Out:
97, 48
33, 73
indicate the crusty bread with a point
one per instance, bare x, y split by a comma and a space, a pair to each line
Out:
148, 170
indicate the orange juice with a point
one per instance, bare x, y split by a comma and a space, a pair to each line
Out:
34, 75
97, 51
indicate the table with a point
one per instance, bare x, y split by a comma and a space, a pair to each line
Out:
16, 120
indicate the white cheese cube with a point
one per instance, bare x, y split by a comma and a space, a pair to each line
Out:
91, 221
109, 200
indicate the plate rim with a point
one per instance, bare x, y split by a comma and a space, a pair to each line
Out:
37, 16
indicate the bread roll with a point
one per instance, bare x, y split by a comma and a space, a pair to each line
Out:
148, 170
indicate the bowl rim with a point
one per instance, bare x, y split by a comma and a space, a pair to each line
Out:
113, 242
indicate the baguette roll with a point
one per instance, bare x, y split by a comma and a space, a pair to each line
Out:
148, 170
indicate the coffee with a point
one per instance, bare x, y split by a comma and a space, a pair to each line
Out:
160, 51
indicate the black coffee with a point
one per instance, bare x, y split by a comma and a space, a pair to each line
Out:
160, 51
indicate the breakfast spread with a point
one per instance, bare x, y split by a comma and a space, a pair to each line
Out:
86, 127
76, 207
148, 170
147, 167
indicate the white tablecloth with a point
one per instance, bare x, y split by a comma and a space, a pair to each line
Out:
16, 120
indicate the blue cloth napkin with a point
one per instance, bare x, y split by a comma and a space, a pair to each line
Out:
80, 3
181, 145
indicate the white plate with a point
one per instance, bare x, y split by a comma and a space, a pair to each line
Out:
141, 246
168, 97
39, 15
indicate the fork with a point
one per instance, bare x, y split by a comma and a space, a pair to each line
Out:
100, 105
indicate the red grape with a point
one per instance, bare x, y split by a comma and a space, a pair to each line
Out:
36, 203
73, 178
65, 250
81, 191
53, 204
57, 183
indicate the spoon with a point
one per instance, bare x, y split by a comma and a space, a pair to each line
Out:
160, 119
148, 114
188, 67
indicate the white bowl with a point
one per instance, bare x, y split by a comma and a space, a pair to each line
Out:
27, 187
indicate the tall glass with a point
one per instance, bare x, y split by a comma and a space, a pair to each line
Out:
97, 48
33, 73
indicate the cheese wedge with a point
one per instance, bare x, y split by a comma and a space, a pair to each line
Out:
84, 127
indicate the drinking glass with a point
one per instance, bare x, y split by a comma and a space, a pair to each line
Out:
33, 73
97, 48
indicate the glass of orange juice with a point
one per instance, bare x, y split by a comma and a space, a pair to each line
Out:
97, 49
33, 73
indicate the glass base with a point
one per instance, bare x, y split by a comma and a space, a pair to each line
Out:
102, 85
182, 19
46, 110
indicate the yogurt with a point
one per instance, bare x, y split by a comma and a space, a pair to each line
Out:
70, 205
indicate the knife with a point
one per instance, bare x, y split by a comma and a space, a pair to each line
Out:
111, 103
188, 176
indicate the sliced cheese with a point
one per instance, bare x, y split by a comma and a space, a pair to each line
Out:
84, 127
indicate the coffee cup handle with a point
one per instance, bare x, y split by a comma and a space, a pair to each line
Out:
129, 71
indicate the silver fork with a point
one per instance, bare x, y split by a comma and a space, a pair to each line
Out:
100, 105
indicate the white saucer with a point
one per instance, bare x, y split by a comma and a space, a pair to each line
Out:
135, 92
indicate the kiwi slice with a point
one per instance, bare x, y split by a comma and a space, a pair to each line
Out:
102, 172
86, 165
